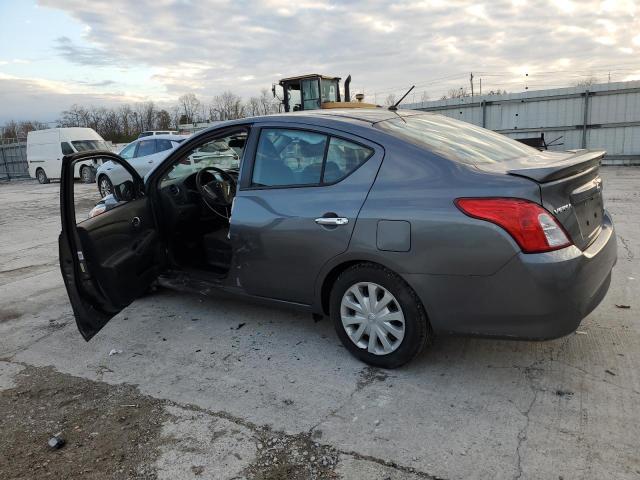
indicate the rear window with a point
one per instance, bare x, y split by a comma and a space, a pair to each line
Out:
456, 140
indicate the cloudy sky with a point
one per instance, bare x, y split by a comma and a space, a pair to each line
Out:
54, 53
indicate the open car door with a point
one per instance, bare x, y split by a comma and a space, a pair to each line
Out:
109, 254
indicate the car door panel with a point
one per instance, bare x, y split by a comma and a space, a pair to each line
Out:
278, 246
121, 254
109, 260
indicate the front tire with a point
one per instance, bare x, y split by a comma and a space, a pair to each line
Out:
378, 316
104, 186
42, 176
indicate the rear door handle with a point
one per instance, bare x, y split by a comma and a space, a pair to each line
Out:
332, 221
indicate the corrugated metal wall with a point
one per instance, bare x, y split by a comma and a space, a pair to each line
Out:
605, 116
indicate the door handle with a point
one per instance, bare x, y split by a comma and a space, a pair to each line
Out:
332, 221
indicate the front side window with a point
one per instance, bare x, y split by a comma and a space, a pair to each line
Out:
456, 140
288, 157
146, 147
66, 148
223, 152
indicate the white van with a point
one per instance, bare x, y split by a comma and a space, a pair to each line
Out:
45, 149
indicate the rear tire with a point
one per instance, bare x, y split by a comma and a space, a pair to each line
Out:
42, 176
105, 187
87, 174
396, 313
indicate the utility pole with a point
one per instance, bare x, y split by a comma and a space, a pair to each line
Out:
480, 86
471, 81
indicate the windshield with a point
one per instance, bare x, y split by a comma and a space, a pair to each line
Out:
456, 140
84, 145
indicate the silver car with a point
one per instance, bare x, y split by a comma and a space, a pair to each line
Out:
400, 226
143, 154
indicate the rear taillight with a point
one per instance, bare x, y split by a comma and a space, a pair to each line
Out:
531, 226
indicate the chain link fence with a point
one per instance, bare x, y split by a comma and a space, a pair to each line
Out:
13, 159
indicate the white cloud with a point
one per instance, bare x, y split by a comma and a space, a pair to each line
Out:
210, 46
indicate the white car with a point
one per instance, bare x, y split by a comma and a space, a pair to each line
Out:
142, 154
45, 149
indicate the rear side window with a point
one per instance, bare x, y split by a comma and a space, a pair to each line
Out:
456, 140
163, 145
146, 147
66, 148
343, 157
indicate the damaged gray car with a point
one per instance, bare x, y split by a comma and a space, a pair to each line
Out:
398, 225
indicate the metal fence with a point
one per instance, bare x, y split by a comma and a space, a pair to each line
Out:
13, 160
605, 116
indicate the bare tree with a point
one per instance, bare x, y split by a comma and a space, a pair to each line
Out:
460, 92
253, 107
163, 120
190, 106
390, 100
145, 115
227, 106
268, 104
13, 130
587, 82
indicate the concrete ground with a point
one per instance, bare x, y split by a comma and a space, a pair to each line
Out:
208, 388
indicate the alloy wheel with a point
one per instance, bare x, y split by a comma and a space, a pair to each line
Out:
105, 187
372, 318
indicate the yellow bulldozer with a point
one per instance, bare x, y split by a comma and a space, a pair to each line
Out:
313, 91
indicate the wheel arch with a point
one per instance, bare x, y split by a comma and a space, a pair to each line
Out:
334, 271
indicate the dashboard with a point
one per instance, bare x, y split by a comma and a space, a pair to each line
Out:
181, 200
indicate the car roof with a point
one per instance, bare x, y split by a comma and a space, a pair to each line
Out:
366, 115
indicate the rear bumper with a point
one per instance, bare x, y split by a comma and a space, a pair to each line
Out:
534, 296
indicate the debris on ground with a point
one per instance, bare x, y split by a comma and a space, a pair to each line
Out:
581, 332
56, 441
104, 437
564, 393
113, 352
622, 306
610, 372
295, 457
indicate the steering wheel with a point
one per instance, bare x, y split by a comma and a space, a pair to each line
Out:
219, 191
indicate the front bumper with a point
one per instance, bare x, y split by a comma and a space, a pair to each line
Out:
534, 296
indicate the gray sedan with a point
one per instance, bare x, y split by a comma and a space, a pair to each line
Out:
400, 226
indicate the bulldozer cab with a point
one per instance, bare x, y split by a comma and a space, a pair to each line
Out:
309, 92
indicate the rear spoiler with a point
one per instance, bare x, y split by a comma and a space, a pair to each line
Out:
580, 161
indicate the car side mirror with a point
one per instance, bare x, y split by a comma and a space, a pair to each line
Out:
124, 192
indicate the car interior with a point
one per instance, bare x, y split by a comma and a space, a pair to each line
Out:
196, 196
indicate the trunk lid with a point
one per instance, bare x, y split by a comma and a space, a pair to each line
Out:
570, 188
